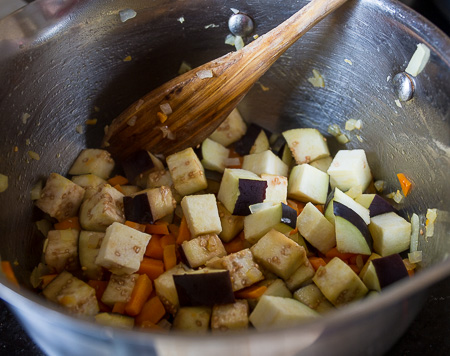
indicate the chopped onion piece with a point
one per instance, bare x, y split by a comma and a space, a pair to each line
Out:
230, 39
238, 43
348, 61
390, 195
431, 218
350, 124
418, 60
414, 233
127, 14
236, 11
415, 257
206, 73
79, 129
3, 183
34, 155
398, 103
166, 108
334, 130
25, 117
358, 124
44, 226
36, 191
398, 197
379, 185
260, 206
317, 81
359, 138
180, 19
167, 133
342, 138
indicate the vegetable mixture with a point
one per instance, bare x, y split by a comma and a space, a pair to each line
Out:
249, 230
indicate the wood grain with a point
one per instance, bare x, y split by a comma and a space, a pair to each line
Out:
200, 105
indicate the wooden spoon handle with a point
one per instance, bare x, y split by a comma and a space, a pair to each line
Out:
199, 105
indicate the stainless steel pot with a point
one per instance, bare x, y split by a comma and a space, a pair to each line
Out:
62, 62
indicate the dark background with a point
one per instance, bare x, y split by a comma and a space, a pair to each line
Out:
428, 335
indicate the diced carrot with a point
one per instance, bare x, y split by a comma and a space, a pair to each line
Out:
99, 287
235, 245
296, 205
355, 268
232, 153
293, 232
316, 262
9, 273
151, 267
167, 240
405, 183
152, 311
70, 223
119, 188
141, 292
334, 252
251, 292
170, 256
154, 248
119, 307
46, 279
320, 207
159, 229
134, 225
411, 272
118, 180
174, 229
183, 234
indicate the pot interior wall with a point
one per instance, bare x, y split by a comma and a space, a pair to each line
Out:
69, 66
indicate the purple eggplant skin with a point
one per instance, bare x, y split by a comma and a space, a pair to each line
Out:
348, 214
250, 192
288, 216
204, 289
380, 206
136, 164
137, 209
389, 269
244, 145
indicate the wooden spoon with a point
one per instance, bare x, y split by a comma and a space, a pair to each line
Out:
200, 104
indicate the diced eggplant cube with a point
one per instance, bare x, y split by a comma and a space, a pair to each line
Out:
60, 198
352, 233
73, 294
230, 130
149, 205
367, 264
88, 180
261, 143
265, 162
122, 249
244, 271
302, 276
276, 191
61, 252
230, 316
104, 207
322, 164
141, 164
89, 244
231, 224
339, 283
308, 184
187, 172
316, 229
349, 169
193, 319
94, 161
384, 271
277, 288
202, 248
119, 289
376, 204
214, 155
341, 197
115, 320
311, 296
306, 144
202, 215
165, 288
278, 312
128, 190
159, 178
391, 233
204, 288
239, 189
278, 254
279, 217
245, 144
